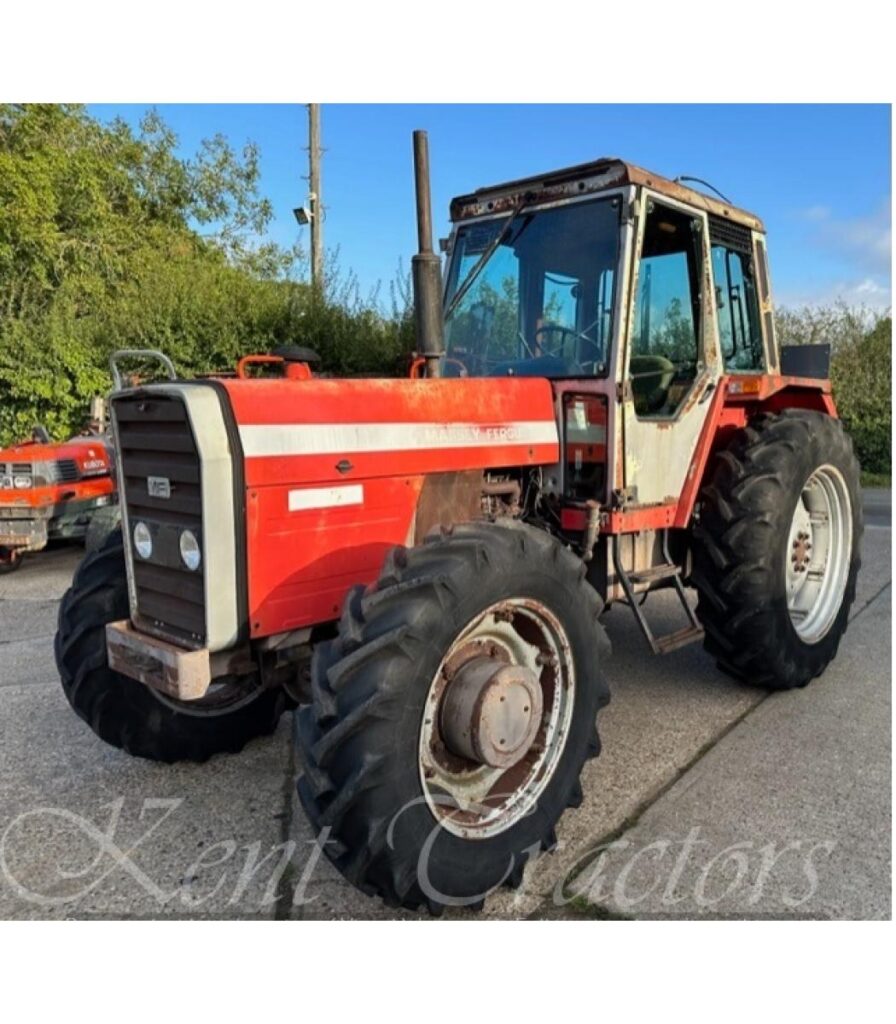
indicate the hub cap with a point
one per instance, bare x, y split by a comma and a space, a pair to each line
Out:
496, 718
819, 550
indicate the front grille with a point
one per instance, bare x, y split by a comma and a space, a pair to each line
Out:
156, 442
66, 471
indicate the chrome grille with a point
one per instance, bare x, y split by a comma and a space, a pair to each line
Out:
155, 439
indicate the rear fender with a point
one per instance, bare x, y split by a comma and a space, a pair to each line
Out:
736, 402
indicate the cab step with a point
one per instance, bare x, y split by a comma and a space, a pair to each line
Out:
666, 570
680, 638
655, 573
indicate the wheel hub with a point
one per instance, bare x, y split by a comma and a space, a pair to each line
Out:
491, 712
509, 675
801, 547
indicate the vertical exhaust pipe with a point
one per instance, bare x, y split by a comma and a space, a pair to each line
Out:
426, 267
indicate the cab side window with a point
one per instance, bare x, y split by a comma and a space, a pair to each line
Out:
737, 303
666, 342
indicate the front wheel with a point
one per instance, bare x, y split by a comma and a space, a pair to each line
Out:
777, 548
128, 714
10, 560
453, 714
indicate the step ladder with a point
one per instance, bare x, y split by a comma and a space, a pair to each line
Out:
666, 570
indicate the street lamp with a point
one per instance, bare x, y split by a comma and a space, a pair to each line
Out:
303, 215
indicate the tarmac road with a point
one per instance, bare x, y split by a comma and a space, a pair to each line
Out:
878, 506
710, 798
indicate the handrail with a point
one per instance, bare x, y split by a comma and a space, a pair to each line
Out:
258, 360
138, 353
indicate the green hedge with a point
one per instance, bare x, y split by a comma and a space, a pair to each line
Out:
109, 240
861, 371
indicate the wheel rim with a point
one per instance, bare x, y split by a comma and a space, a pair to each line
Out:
819, 551
480, 800
224, 696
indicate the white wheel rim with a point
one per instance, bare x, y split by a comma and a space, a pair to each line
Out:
819, 551
478, 801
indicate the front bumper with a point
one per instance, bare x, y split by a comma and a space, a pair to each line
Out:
28, 527
163, 666
23, 534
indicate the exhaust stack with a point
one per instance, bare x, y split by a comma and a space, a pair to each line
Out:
426, 267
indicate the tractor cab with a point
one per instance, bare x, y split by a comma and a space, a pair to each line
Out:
634, 294
541, 271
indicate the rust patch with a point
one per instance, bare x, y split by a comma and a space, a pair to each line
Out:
156, 663
446, 499
584, 179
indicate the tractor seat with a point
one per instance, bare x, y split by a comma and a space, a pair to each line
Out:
651, 377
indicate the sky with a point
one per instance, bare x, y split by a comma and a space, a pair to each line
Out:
818, 175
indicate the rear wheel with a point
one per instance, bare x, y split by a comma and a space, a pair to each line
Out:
777, 548
453, 714
128, 714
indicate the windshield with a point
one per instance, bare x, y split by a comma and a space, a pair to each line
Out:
540, 301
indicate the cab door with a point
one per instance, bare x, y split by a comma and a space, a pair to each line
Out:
671, 363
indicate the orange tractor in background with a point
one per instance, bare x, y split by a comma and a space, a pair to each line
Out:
53, 490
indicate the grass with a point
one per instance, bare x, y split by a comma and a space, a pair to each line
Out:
876, 479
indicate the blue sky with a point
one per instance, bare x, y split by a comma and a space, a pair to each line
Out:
818, 175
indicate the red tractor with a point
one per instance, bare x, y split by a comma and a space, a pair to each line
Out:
599, 409
53, 490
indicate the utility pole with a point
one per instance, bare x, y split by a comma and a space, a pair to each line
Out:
314, 200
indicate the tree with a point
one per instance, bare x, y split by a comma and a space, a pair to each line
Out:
110, 239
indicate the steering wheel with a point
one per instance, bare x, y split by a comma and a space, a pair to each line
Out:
562, 329
418, 367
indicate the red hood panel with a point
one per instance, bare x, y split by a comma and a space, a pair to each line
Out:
342, 429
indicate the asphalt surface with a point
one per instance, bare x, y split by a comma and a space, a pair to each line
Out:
710, 799
878, 506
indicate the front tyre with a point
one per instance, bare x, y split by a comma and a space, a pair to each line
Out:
128, 714
777, 548
10, 560
453, 714
103, 521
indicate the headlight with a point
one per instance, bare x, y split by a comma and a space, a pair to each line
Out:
143, 540
21, 482
190, 551
45, 473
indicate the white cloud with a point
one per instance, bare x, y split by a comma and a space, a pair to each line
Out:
817, 213
867, 241
873, 293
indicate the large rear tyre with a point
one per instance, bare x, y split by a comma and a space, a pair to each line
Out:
777, 548
127, 714
453, 714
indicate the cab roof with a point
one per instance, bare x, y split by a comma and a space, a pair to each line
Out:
583, 179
